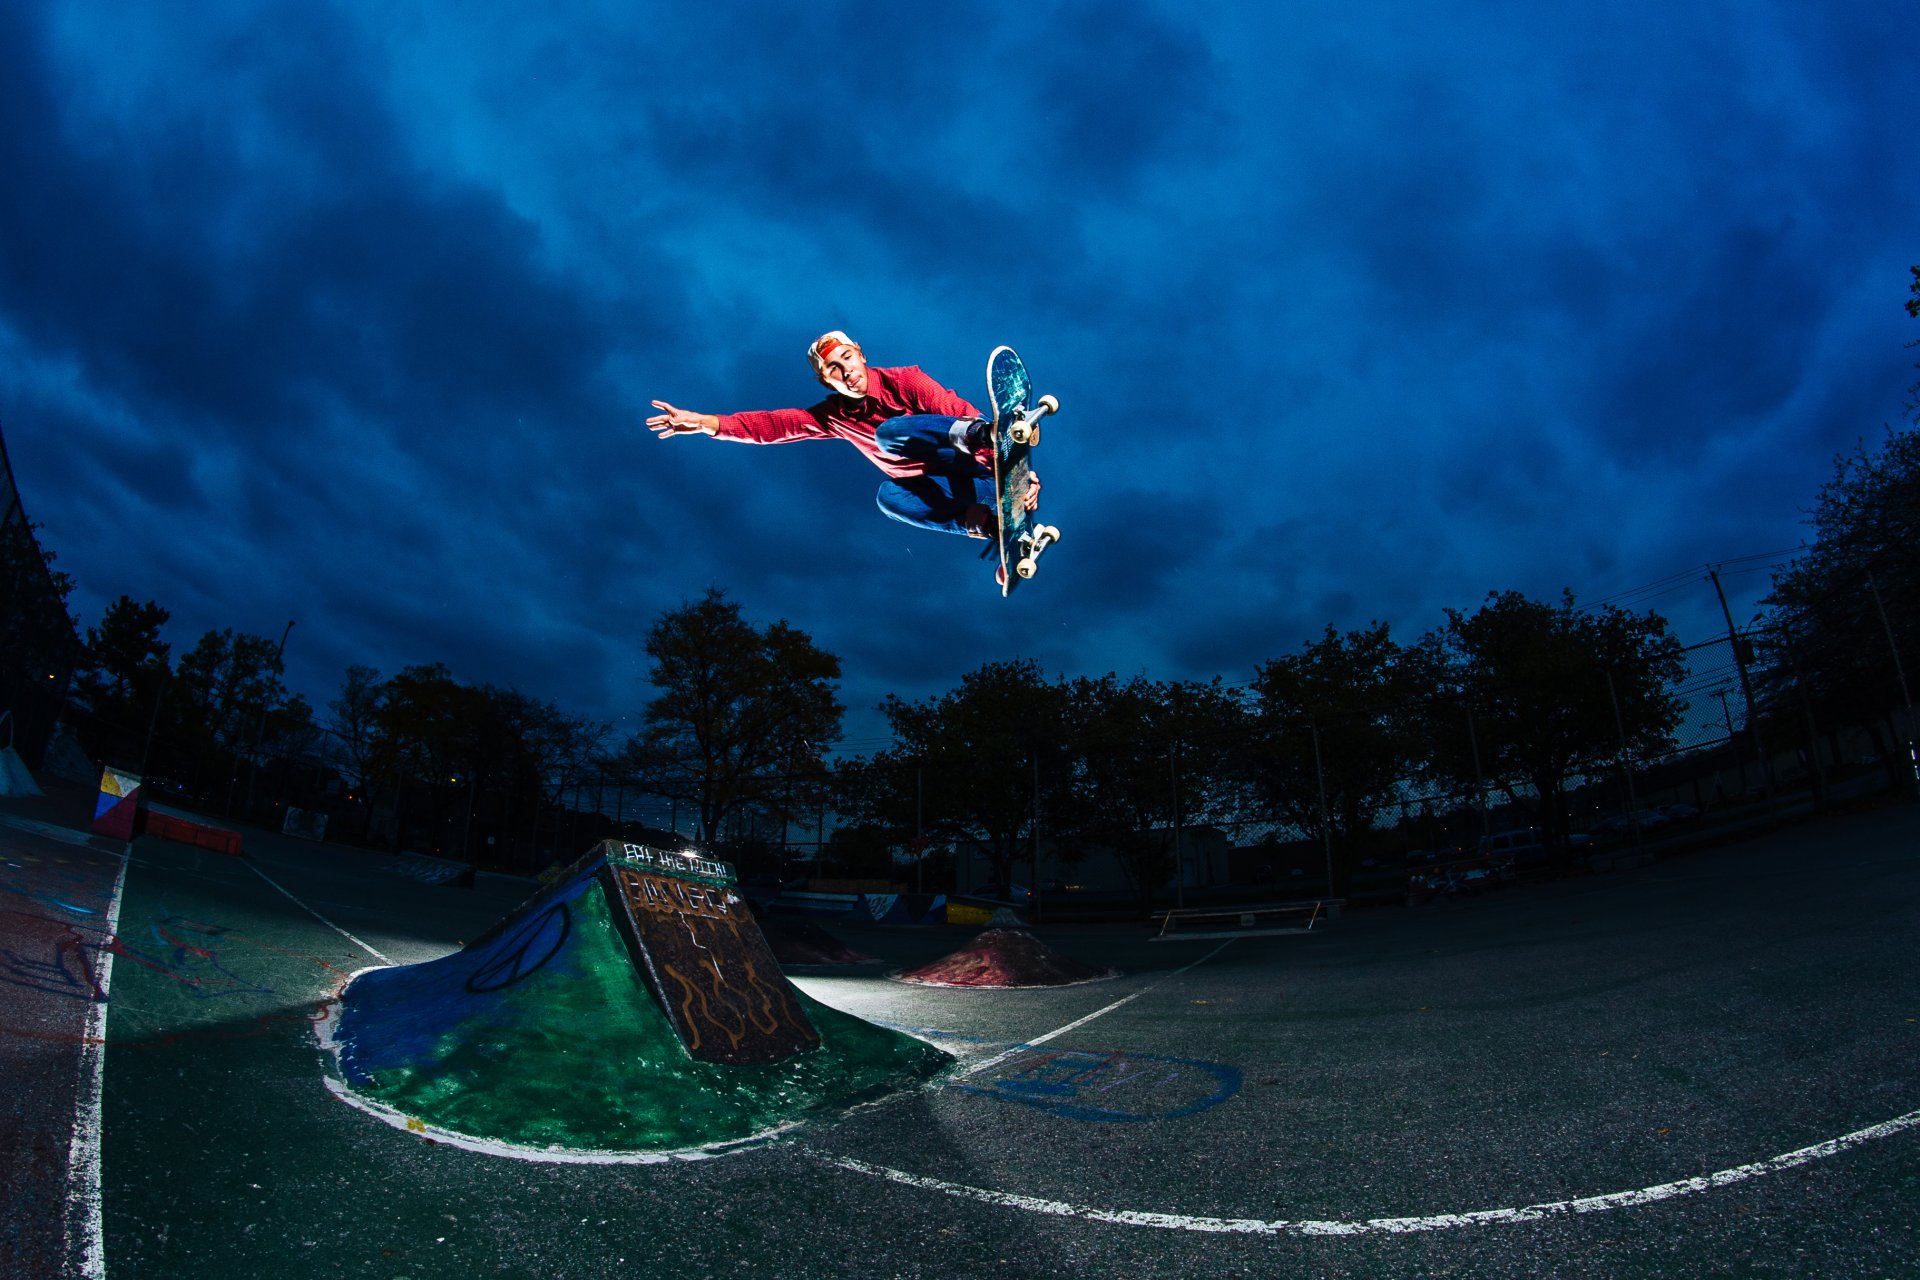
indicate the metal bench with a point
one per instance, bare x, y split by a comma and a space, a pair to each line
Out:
1247, 921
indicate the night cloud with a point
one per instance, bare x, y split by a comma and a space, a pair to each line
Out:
352, 316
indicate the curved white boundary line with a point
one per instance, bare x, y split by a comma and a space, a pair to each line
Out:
323, 1031
1386, 1226
547, 1155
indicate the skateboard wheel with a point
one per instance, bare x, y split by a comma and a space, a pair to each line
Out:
1023, 432
1027, 567
1048, 404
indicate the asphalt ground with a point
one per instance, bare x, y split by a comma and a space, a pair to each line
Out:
56, 891
1391, 1095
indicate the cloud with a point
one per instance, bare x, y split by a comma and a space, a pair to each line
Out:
352, 314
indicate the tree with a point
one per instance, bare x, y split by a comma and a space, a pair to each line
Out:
124, 655
968, 764
1339, 727
736, 707
1826, 622
39, 647
563, 749
355, 721
123, 672
1913, 309
1543, 681
221, 692
290, 731
486, 759
1150, 758
430, 732
225, 681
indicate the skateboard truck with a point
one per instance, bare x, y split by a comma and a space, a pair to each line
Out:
1036, 540
1025, 429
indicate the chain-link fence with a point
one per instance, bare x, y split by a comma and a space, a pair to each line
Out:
39, 647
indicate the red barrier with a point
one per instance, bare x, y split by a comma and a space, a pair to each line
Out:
214, 838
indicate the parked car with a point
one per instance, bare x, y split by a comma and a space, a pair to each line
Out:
1622, 823
1680, 812
1017, 894
1526, 847
1520, 841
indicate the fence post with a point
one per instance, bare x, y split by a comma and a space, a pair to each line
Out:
1320, 780
1479, 779
1626, 766
1746, 690
1906, 696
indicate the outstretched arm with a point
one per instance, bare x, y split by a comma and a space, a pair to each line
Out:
681, 422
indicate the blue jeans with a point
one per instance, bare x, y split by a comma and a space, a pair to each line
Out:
954, 481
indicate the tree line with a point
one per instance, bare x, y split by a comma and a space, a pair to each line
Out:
745, 715
218, 729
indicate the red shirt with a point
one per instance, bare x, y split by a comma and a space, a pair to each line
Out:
891, 393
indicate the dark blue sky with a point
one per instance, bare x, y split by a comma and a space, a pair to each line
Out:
351, 313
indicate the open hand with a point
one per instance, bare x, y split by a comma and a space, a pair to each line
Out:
680, 422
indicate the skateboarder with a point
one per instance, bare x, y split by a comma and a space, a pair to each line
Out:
934, 446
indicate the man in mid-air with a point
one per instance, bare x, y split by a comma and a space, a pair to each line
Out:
936, 449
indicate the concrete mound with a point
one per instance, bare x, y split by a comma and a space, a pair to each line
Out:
1005, 958
634, 1006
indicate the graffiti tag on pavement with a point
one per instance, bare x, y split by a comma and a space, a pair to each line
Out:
1114, 1087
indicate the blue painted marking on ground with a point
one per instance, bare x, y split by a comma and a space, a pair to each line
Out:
1112, 1087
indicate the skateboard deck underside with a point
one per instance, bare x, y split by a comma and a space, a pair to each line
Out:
1010, 391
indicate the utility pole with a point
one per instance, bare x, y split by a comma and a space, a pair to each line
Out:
466, 832
1906, 696
1179, 859
153, 723
1036, 838
1746, 687
1479, 779
1626, 765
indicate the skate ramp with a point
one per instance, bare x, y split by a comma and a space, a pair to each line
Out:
15, 778
632, 1006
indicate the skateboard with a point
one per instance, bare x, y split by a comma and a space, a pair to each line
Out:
1016, 431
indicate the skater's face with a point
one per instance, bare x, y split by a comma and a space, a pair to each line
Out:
846, 369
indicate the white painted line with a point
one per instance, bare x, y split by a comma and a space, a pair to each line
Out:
547, 1155
514, 1150
84, 1237
1018, 1049
322, 919
1389, 1226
